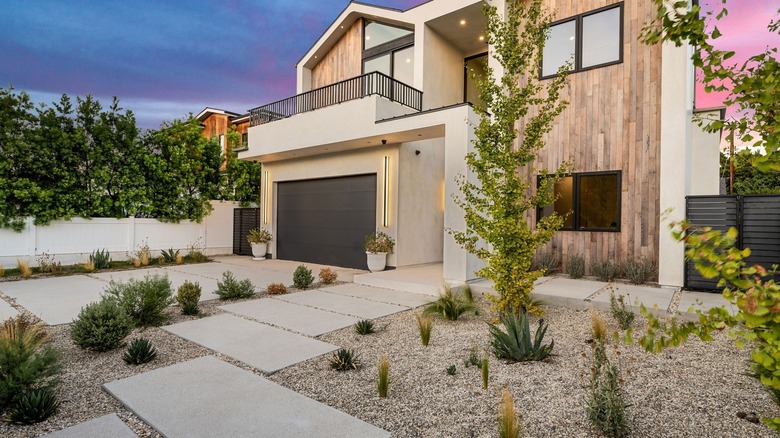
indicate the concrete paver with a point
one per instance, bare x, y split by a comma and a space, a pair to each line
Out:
56, 300
6, 311
655, 299
207, 285
421, 279
286, 266
259, 345
703, 301
207, 397
259, 277
305, 320
342, 304
101, 427
406, 299
567, 292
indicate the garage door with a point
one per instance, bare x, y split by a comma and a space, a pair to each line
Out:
326, 220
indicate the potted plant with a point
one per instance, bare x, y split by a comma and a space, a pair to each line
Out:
259, 240
377, 246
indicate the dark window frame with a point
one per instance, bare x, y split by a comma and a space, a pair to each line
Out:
578, 29
466, 74
576, 201
244, 139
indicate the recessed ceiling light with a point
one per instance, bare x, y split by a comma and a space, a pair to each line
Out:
368, 37
481, 38
571, 38
462, 22
408, 60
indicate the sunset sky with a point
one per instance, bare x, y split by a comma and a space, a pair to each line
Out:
167, 59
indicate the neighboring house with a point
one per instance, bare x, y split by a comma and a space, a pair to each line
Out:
217, 123
378, 133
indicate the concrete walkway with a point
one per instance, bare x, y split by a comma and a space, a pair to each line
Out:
101, 427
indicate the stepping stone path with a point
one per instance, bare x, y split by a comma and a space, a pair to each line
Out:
6, 311
342, 304
55, 300
101, 427
306, 320
406, 299
207, 397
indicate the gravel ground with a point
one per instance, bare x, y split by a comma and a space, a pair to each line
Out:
677, 393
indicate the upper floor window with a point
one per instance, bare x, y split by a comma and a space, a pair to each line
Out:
244, 139
588, 201
389, 50
375, 34
589, 40
475, 70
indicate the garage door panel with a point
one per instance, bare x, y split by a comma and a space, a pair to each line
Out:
326, 220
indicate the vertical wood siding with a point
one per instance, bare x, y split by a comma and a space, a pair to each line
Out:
343, 61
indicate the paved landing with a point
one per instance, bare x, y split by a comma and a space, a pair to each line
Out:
206, 397
101, 427
703, 301
341, 304
305, 320
6, 311
406, 299
56, 300
261, 346
567, 292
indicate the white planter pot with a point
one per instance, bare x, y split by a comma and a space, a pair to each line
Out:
259, 250
376, 261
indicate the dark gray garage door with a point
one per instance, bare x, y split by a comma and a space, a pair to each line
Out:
326, 220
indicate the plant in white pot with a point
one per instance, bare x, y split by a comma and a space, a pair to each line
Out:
259, 240
377, 246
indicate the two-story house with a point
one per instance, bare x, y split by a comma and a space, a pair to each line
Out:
377, 134
217, 123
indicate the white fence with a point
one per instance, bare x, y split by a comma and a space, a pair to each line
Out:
72, 241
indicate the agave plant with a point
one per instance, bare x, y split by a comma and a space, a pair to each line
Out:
365, 327
515, 344
139, 352
451, 305
344, 359
170, 255
101, 259
34, 406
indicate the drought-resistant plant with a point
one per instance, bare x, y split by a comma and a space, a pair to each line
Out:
383, 381
101, 326
604, 270
139, 352
473, 359
606, 408
24, 268
451, 305
171, 255
230, 288
195, 252
516, 344
639, 271
365, 327
88, 266
302, 277
379, 242
179, 259
276, 289
548, 261
328, 276
101, 259
425, 324
621, 311
344, 359
451, 370
2, 271
143, 253
27, 361
485, 372
143, 300
136, 263
258, 235
575, 266
188, 297
509, 425
46, 263
34, 406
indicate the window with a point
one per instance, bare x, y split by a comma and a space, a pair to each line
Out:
590, 40
475, 68
589, 201
244, 139
377, 34
222, 141
389, 50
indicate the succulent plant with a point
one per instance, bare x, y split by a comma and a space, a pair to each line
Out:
139, 352
345, 359
516, 344
34, 406
365, 327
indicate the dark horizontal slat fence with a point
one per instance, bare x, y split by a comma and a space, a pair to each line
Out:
756, 218
244, 219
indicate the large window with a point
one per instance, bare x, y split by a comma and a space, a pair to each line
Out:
389, 50
593, 39
475, 70
588, 201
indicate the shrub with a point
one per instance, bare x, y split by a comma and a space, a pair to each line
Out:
509, 426
179, 259
101, 259
26, 361
24, 268
620, 311
139, 352
101, 326
451, 370
88, 266
196, 256
170, 255
548, 261
425, 324
344, 359
606, 408
365, 327
188, 297
46, 263
276, 289
34, 406
575, 266
379, 242
639, 271
143, 300
485, 373
516, 344
604, 270
328, 276
383, 382
451, 305
302, 277
230, 288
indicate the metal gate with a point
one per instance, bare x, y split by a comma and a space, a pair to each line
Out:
756, 218
244, 219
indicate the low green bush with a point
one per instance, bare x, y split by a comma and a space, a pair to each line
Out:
230, 288
639, 271
575, 266
451, 305
143, 300
604, 270
188, 297
101, 326
621, 311
302, 277
548, 261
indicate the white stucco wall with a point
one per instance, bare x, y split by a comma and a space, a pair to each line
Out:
443, 71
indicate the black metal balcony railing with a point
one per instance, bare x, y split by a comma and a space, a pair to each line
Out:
350, 89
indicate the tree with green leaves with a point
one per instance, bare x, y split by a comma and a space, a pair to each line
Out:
240, 178
519, 111
753, 89
748, 180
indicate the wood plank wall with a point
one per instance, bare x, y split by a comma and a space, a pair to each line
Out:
214, 125
613, 123
343, 61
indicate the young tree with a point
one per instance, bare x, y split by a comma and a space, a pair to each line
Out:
496, 205
240, 178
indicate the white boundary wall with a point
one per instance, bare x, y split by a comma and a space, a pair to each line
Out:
71, 242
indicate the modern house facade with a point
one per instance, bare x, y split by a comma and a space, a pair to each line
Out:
217, 123
377, 134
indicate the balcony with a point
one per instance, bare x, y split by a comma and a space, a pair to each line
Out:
369, 84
